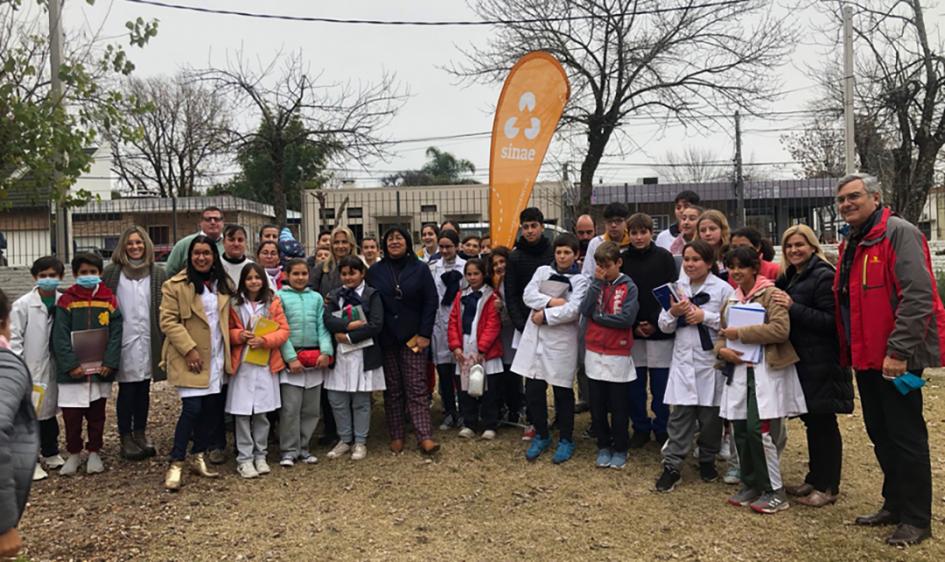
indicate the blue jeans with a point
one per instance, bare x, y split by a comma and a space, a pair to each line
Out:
198, 414
639, 414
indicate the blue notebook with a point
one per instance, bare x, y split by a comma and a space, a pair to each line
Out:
665, 294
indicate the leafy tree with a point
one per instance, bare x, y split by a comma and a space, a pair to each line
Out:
442, 168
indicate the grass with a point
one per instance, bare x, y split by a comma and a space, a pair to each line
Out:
476, 500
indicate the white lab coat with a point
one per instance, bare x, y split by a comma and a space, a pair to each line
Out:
440, 342
693, 378
30, 327
550, 352
254, 389
134, 300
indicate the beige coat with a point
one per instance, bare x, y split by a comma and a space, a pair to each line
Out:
773, 334
185, 327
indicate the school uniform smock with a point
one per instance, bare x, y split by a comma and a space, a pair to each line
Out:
440, 342
134, 299
778, 390
693, 378
209, 302
30, 329
549, 352
349, 373
254, 389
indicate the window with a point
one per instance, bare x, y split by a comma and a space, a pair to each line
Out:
96, 217
160, 234
660, 222
358, 231
355, 213
427, 208
326, 213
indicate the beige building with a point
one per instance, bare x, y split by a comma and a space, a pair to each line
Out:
372, 210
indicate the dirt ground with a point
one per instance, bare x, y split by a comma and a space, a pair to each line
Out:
474, 501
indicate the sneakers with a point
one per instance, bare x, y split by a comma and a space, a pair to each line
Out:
54, 462
309, 458
71, 466
538, 446
529, 433
603, 458
262, 467
247, 470
733, 475
39, 473
618, 460
467, 433
339, 450
449, 421
771, 502
639, 439
286, 462
727, 449
708, 472
360, 451
563, 452
94, 465
744, 497
668, 480
488, 435
216, 456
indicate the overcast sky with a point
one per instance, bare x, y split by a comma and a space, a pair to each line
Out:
437, 105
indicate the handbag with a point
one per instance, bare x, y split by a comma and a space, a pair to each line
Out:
309, 357
477, 381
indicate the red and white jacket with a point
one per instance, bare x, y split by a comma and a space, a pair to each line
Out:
488, 324
610, 309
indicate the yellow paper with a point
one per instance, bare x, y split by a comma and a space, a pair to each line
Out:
260, 355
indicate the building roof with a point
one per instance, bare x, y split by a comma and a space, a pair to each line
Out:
819, 188
228, 203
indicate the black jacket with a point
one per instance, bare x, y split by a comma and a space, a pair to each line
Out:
523, 261
650, 268
828, 387
374, 310
413, 311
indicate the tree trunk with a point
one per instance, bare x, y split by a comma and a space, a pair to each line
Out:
597, 142
278, 188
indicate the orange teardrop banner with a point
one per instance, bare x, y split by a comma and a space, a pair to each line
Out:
530, 105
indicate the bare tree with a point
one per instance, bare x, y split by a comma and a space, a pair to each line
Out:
692, 164
348, 116
818, 148
900, 94
683, 60
180, 137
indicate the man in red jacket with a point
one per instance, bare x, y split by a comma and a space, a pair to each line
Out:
891, 322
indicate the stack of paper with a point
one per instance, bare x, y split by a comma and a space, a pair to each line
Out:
739, 316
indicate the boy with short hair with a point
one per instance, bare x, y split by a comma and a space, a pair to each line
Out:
470, 247
610, 306
86, 306
30, 329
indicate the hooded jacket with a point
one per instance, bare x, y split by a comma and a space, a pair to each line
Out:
611, 311
85, 309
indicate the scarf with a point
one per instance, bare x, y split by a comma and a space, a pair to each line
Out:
451, 280
135, 269
350, 296
470, 304
676, 248
705, 339
761, 283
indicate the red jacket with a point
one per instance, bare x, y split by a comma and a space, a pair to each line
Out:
488, 331
895, 307
610, 309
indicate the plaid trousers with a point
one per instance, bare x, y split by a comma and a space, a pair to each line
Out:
405, 373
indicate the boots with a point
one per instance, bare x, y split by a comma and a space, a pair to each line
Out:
174, 477
130, 449
144, 442
198, 465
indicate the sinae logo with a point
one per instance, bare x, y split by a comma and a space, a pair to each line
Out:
511, 129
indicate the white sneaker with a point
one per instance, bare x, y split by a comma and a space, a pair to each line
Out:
310, 459
247, 470
467, 433
71, 466
360, 451
287, 462
488, 435
94, 464
54, 462
339, 450
262, 467
39, 473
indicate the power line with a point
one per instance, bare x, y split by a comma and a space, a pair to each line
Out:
431, 23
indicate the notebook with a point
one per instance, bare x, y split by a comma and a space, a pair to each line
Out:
739, 316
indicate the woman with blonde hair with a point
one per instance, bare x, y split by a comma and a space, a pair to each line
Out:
136, 280
806, 291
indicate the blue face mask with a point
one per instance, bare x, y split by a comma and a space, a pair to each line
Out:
47, 284
88, 281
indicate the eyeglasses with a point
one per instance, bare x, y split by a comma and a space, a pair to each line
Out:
213, 219
851, 197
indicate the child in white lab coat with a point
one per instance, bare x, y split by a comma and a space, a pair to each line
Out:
448, 277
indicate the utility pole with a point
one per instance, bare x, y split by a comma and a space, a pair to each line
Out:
55, 92
739, 178
850, 153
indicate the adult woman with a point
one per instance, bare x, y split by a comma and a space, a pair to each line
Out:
807, 292
267, 255
429, 234
325, 276
19, 437
136, 281
195, 318
410, 301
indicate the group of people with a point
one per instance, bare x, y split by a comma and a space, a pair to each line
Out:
693, 337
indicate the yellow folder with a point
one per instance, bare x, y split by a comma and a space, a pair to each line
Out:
260, 355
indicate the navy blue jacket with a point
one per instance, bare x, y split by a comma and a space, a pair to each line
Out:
414, 313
